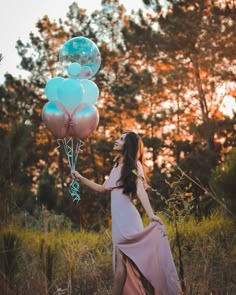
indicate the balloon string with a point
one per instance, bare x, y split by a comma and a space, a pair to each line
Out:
58, 143
68, 151
78, 150
72, 156
74, 185
74, 190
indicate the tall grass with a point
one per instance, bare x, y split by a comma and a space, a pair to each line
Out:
67, 262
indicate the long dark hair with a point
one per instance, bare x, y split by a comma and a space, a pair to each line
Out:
132, 152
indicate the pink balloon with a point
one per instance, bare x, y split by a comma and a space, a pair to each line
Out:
84, 120
56, 118
85, 72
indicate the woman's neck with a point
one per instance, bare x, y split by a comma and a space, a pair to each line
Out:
118, 159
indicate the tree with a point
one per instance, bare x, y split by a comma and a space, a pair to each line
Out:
223, 181
47, 193
158, 77
16, 178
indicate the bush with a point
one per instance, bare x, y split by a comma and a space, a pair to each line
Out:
10, 244
223, 181
81, 262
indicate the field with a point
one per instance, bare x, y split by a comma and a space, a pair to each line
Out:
79, 262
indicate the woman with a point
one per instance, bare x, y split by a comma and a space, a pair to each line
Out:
142, 259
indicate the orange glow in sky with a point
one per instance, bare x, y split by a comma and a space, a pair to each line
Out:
228, 106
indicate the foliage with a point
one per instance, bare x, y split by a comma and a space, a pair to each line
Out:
223, 180
10, 247
16, 178
47, 194
82, 260
165, 74
160, 76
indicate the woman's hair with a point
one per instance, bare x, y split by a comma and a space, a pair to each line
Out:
132, 152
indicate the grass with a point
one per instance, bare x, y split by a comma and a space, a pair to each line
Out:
67, 262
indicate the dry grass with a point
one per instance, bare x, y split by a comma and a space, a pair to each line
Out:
39, 263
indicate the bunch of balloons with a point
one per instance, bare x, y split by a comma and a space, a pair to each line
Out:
71, 114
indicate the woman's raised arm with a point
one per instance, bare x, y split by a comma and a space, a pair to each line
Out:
94, 186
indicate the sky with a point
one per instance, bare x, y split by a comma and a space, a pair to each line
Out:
18, 18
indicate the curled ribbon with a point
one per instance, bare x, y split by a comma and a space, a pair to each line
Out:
74, 190
72, 156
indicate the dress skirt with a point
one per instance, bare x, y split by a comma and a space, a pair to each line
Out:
147, 251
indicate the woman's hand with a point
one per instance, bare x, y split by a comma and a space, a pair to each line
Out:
76, 175
94, 186
155, 218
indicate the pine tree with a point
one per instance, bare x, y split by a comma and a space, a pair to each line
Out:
158, 77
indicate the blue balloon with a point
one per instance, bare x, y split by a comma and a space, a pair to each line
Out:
83, 51
51, 89
74, 70
70, 93
91, 91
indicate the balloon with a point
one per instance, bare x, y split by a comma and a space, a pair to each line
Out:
56, 118
91, 91
52, 88
83, 51
74, 70
70, 93
84, 121
85, 73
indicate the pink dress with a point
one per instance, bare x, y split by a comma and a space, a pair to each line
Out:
147, 249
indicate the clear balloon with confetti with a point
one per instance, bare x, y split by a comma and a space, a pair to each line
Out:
80, 54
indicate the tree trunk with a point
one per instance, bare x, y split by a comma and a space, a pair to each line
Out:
208, 133
61, 169
93, 161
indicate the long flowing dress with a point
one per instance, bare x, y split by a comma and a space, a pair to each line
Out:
147, 250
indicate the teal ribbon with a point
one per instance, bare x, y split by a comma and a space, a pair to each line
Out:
72, 151
74, 190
